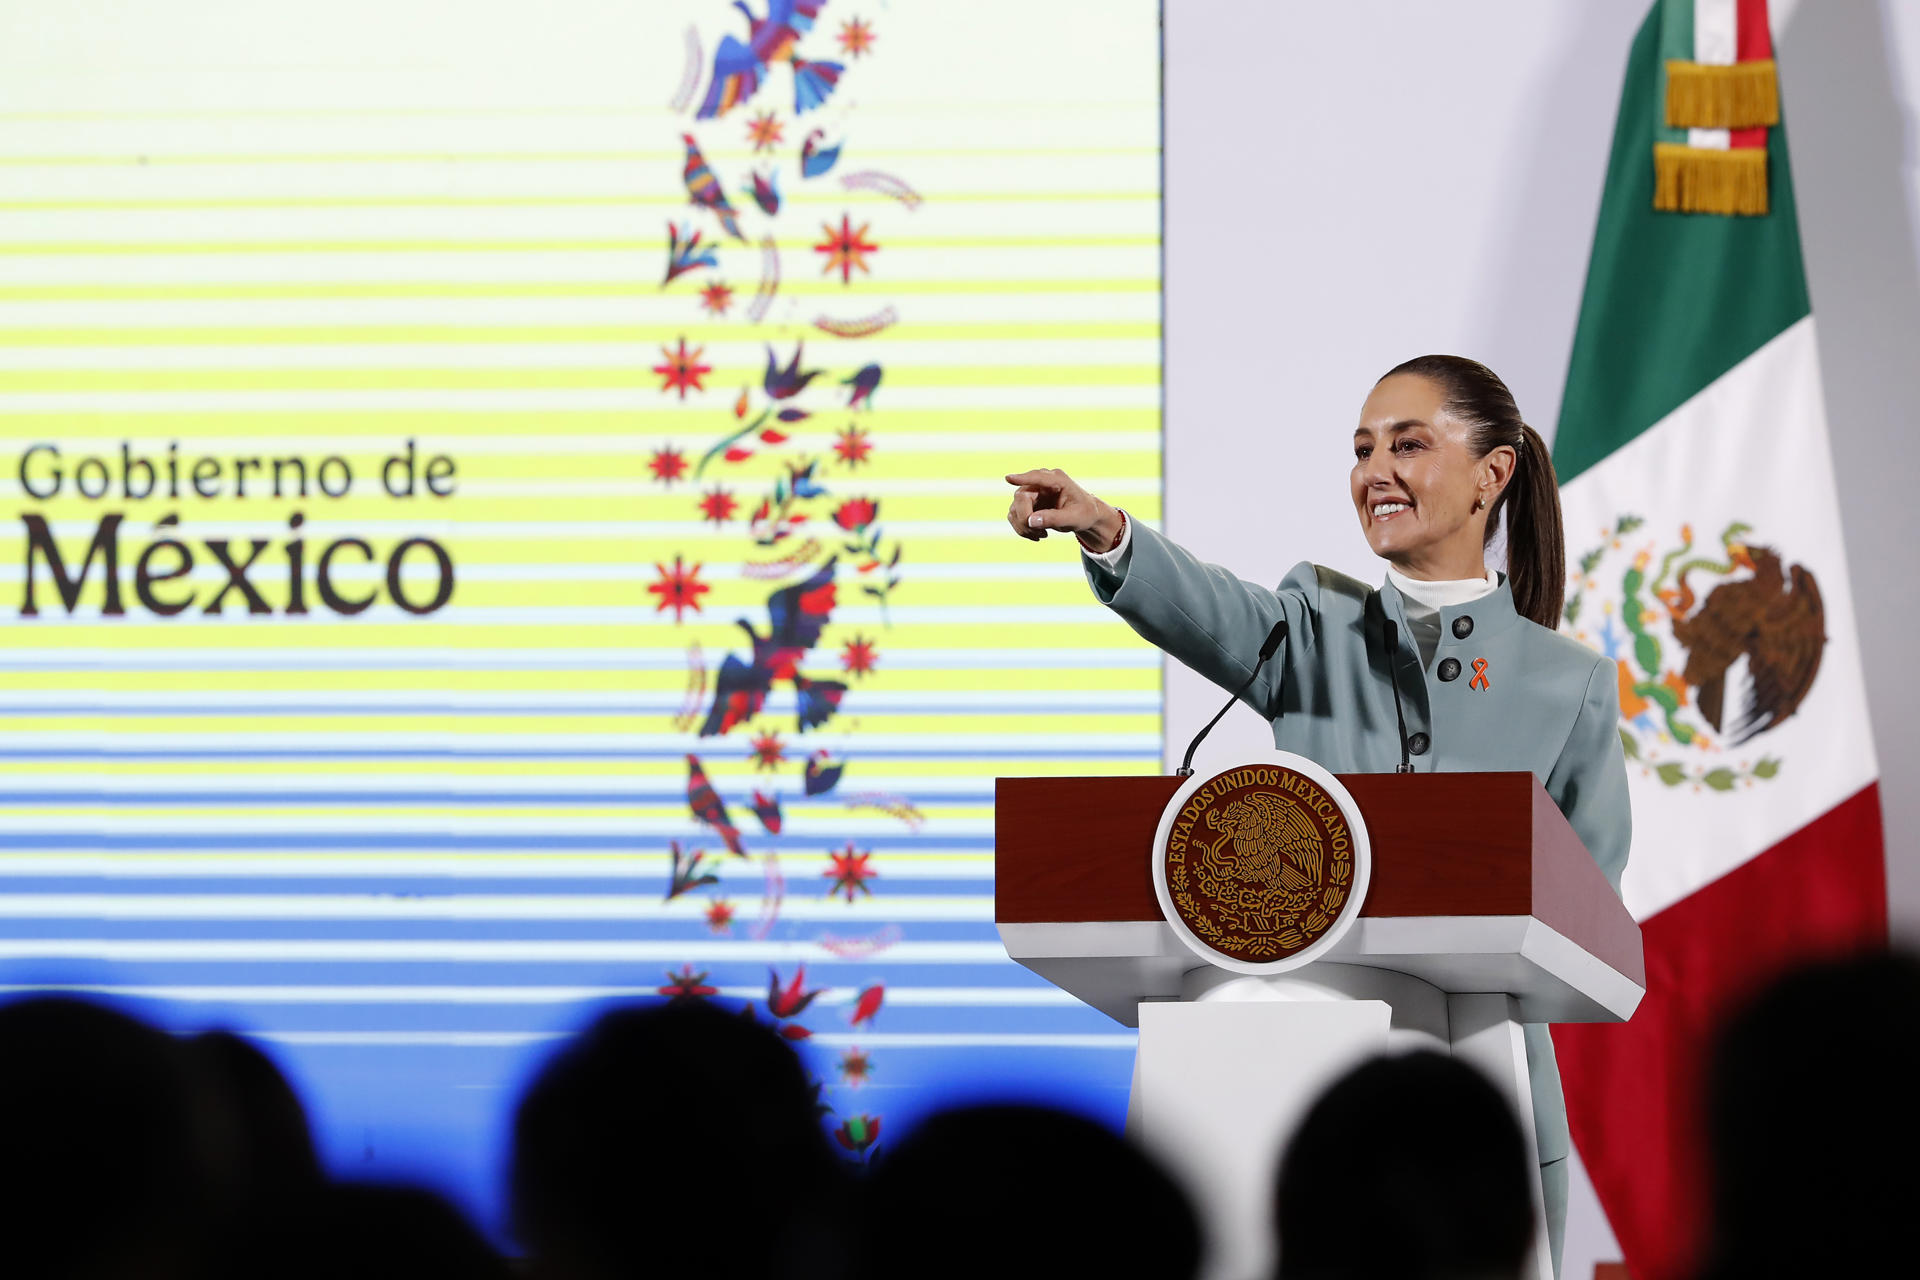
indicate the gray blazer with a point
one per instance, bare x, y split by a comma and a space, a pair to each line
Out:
1547, 703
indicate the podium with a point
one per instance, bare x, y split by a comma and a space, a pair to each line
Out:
1484, 912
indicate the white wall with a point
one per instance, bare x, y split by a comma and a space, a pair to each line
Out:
1352, 184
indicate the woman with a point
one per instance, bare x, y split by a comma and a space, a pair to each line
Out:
1440, 456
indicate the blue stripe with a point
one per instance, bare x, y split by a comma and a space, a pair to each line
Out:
437, 795
102, 841
863, 919
803, 881
1011, 751
986, 708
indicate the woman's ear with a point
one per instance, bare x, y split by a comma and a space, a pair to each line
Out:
1496, 470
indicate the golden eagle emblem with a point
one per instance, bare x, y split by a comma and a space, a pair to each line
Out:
1259, 863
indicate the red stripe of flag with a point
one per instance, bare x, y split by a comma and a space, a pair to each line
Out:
1633, 1089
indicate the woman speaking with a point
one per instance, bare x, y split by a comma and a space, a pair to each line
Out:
1441, 455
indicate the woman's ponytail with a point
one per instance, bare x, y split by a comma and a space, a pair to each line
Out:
1536, 542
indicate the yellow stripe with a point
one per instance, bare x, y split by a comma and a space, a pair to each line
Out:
837, 196
450, 379
651, 245
383, 335
716, 154
636, 426
644, 288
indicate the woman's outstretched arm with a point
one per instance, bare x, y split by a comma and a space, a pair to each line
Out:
1200, 613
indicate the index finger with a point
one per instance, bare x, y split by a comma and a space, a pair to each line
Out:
1041, 476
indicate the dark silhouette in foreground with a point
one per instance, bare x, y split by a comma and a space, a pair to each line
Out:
636, 1132
1409, 1167
1019, 1191
1812, 1122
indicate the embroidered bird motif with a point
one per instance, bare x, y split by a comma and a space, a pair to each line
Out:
739, 69
797, 614
704, 190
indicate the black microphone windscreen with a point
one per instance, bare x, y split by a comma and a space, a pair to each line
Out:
1275, 638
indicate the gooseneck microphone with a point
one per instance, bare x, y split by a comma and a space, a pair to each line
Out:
1393, 678
1275, 638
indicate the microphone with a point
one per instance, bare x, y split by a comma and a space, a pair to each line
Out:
1275, 638
1393, 678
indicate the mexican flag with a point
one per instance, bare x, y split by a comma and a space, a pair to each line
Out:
1705, 559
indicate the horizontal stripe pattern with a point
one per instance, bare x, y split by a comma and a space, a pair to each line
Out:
411, 852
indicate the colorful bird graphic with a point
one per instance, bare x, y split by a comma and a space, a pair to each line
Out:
784, 384
797, 615
868, 1005
703, 189
863, 384
823, 772
767, 809
707, 807
690, 871
816, 159
766, 192
790, 1001
684, 253
739, 68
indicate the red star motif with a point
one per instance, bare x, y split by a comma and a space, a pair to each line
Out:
768, 751
720, 915
687, 985
856, 1065
668, 465
858, 656
764, 131
846, 249
716, 297
681, 369
718, 505
853, 445
856, 37
679, 589
849, 872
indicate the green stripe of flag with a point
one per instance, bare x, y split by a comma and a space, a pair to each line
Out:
1673, 300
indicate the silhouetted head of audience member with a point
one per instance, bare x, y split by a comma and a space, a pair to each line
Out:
673, 1139
1812, 1118
364, 1232
104, 1171
1409, 1167
1023, 1191
260, 1146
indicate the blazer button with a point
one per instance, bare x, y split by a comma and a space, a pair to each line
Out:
1462, 627
1450, 668
1418, 744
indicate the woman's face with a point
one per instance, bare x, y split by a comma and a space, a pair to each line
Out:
1415, 481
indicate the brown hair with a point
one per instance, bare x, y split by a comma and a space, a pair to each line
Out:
1530, 502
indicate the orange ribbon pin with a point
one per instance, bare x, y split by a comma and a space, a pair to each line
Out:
1479, 680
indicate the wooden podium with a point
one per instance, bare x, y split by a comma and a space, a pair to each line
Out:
1484, 912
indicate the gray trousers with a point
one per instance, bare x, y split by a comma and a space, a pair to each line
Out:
1553, 1203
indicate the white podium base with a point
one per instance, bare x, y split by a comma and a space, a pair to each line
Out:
1224, 1076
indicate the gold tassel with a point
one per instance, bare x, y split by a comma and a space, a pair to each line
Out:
1704, 180
1743, 95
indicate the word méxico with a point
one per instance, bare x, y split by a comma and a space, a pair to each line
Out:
167, 559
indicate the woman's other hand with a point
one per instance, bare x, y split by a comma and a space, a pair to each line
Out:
1047, 500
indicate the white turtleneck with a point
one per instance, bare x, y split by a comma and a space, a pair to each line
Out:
1425, 600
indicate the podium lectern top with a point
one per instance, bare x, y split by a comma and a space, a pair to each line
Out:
1479, 885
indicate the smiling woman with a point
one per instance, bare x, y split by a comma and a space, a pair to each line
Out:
1442, 462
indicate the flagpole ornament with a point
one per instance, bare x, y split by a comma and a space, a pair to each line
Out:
1262, 867
1720, 94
